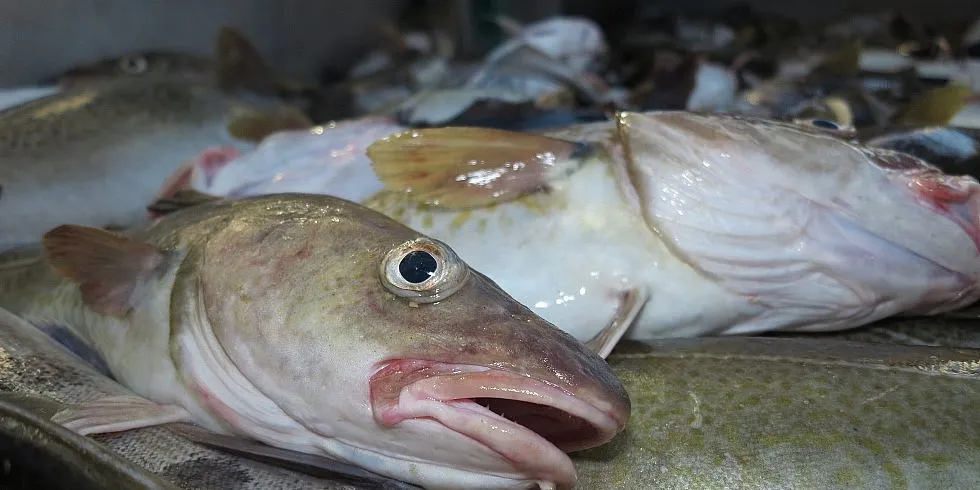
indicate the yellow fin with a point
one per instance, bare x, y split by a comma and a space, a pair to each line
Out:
936, 107
256, 126
462, 167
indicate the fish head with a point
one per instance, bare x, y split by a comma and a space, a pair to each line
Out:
403, 359
138, 64
755, 203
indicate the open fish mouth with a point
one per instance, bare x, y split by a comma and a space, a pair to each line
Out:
528, 422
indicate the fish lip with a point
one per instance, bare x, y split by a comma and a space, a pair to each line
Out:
406, 389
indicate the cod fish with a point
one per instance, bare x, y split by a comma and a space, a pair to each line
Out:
95, 156
40, 378
760, 414
313, 324
235, 65
723, 224
755, 413
675, 224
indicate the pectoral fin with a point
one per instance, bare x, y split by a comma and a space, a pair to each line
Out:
630, 305
310, 464
182, 199
118, 414
461, 167
109, 267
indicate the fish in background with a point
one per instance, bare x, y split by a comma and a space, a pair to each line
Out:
690, 256
710, 260
313, 324
330, 156
235, 65
95, 155
40, 379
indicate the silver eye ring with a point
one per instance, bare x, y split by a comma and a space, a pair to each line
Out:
423, 271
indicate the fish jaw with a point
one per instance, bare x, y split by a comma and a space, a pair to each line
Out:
447, 393
817, 232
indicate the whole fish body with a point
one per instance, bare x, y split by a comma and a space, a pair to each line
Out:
316, 325
39, 378
666, 224
754, 414
57, 153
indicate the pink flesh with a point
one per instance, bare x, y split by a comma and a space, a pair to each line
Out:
208, 164
418, 389
954, 197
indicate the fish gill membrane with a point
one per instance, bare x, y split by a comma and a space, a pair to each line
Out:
682, 224
39, 378
313, 324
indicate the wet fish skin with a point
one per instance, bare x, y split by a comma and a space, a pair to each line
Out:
263, 258
608, 229
599, 215
40, 376
754, 414
58, 150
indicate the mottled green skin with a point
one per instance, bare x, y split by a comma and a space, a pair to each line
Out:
939, 331
752, 414
289, 288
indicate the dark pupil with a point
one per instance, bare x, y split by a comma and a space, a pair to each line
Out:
823, 123
417, 266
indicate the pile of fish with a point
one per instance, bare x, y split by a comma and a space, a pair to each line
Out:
677, 257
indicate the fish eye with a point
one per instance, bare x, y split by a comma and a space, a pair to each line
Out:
133, 64
423, 271
824, 124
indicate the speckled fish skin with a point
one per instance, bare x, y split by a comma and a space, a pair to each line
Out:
96, 156
687, 224
947, 331
766, 414
269, 320
42, 375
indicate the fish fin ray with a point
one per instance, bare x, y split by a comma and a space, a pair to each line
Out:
182, 199
118, 414
108, 266
630, 305
467, 167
